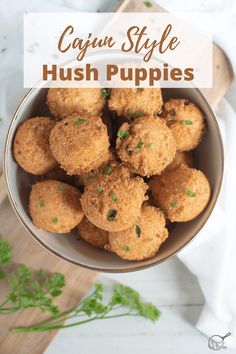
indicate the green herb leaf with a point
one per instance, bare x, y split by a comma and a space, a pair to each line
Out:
137, 230
41, 203
173, 205
122, 134
111, 215
139, 89
126, 248
99, 188
61, 188
106, 93
107, 170
80, 120
189, 192
148, 4
5, 255
187, 122
135, 115
149, 146
139, 146
54, 220
114, 197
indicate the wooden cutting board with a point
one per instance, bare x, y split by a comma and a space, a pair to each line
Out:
27, 251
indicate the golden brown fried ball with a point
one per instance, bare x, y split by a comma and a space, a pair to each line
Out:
115, 203
142, 240
55, 206
183, 193
133, 103
80, 144
31, 146
146, 146
186, 122
185, 158
63, 102
92, 234
59, 174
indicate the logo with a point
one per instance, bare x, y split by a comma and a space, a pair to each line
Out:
216, 342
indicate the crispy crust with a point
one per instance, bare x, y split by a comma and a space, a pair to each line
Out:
92, 234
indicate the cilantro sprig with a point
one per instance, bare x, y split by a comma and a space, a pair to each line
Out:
5, 255
124, 301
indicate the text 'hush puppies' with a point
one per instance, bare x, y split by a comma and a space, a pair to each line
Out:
55, 206
115, 202
79, 144
182, 193
63, 102
142, 240
186, 123
133, 103
146, 146
31, 145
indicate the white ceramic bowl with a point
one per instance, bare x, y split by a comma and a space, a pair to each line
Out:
208, 156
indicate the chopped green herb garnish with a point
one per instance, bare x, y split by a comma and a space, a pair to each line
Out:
187, 122
107, 170
99, 188
189, 192
111, 215
80, 120
135, 115
137, 230
173, 205
139, 89
122, 134
148, 4
139, 145
54, 220
126, 248
5, 255
61, 188
41, 203
114, 197
106, 93
149, 145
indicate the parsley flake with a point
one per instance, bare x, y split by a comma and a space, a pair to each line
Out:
80, 120
139, 89
187, 122
99, 188
126, 248
122, 134
107, 170
173, 205
149, 145
106, 93
41, 203
189, 192
61, 188
111, 215
137, 231
54, 220
148, 4
139, 145
135, 115
114, 197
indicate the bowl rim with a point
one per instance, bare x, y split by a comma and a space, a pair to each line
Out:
136, 266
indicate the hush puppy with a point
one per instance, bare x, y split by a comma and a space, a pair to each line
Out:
79, 144
133, 103
182, 193
92, 234
63, 102
142, 240
31, 146
186, 122
114, 204
146, 146
55, 206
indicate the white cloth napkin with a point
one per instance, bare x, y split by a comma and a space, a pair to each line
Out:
211, 257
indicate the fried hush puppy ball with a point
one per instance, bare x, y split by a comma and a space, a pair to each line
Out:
181, 158
146, 146
55, 206
63, 102
182, 193
92, 234
142, 240
186, 123
133, 103
79, 144
31, 146
114, 204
